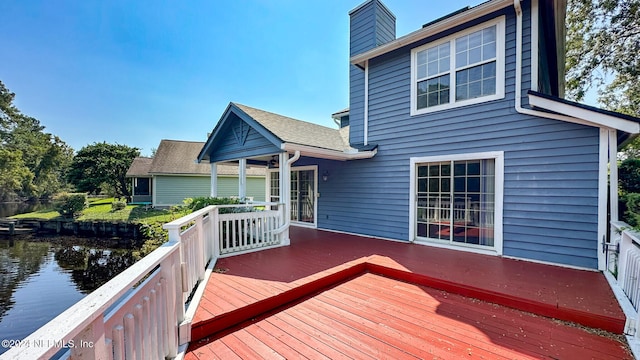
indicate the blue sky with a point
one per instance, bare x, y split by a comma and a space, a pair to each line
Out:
136, 72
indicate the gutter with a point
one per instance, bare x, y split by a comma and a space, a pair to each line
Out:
518, 95
327, 153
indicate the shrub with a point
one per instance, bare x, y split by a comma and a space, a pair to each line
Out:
632, 215
118, 204
70, 205
155, 236
198, 203
629, 176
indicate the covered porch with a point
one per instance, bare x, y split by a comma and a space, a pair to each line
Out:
350, 296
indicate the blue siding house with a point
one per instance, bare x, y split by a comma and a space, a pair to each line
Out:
457, 135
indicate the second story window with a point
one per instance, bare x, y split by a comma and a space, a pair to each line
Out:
462, 69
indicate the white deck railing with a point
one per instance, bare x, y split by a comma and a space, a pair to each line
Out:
623, 262
143, 312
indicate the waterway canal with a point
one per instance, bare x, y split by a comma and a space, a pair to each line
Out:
40, 277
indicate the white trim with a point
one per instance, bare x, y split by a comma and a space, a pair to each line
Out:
603, 160
595, 118
498, 156
154, 192
366, 102
242, 178
327, 153
613, 175
433, 29
629, 312
214, 180
535, 23
477, 249
363, 235
550, 263
499, 22
313, 225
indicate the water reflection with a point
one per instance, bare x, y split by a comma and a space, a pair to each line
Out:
90, 267
18, 261
39, 280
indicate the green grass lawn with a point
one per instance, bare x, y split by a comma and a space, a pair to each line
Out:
100, 210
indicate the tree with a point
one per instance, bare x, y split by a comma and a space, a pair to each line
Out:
603, 43
39, 160
14, 176
100, 165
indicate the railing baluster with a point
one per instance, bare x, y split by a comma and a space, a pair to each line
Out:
117, 341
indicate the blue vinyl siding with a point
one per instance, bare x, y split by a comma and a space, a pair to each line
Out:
371, 25
228, 148
551, 167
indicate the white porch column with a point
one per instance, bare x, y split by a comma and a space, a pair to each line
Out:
603, 177
613, 175
242, 178
214, 179
285, 192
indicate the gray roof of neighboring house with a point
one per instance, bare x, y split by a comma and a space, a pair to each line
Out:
140, 167
176, 157
295, 131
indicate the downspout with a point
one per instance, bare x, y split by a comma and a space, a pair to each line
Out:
602, 227
518, 95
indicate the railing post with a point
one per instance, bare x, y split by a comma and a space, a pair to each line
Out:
90, 344
625, 244
200, 246
215, 231
284, 236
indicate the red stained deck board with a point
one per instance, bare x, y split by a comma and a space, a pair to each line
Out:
339, 322
315, 257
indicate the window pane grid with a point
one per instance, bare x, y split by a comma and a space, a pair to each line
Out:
462, 213
463, 68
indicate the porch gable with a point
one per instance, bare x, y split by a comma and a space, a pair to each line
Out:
237, 135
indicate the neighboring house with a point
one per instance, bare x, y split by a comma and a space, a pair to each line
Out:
173, 175
456, 136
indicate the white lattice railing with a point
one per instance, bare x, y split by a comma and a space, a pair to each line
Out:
145, 312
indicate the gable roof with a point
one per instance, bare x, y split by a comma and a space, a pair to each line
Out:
295, 131
139, 167
177, 157
285, 134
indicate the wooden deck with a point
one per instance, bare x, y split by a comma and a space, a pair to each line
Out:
335, 295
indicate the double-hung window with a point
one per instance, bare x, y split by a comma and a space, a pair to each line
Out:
462, 69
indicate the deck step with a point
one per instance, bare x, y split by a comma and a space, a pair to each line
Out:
381, 266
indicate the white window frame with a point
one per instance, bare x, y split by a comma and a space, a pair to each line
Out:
314, 168
499, 22
498, 157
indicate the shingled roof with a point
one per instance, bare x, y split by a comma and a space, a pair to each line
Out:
176, 157
139, 167
295, 131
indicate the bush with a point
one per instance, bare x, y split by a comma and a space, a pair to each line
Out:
632, 215
118, 204
198, 203
629, 176
70, 205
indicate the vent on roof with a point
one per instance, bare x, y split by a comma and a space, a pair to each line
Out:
446, 16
